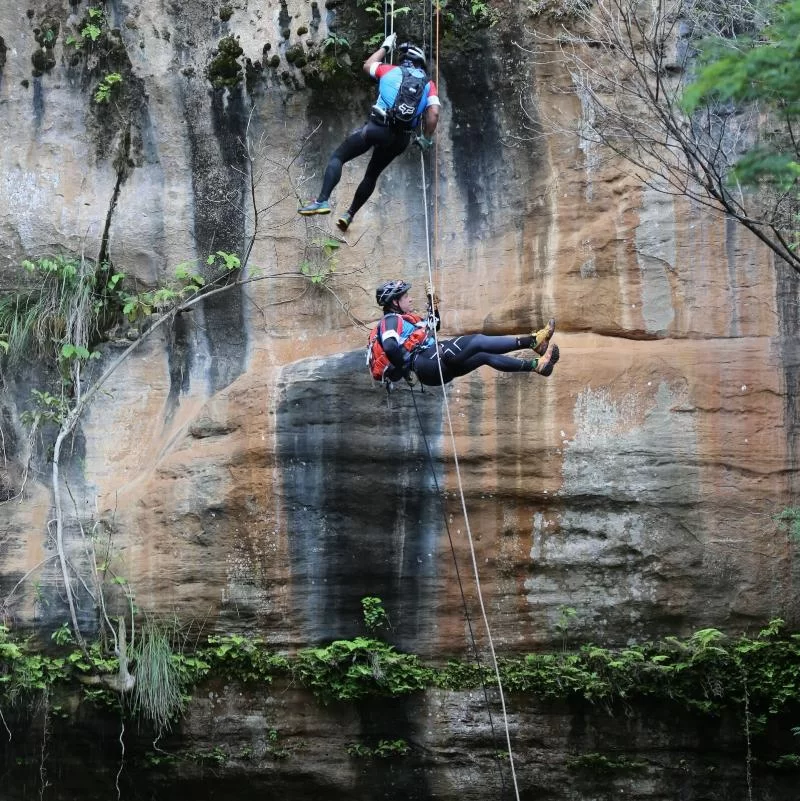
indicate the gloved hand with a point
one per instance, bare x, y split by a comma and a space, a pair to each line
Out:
430, 292
388, 42
423, 142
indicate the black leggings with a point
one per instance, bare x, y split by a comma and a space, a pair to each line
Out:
464, 354
388, 143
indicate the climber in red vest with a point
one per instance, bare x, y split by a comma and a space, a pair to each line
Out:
403, 343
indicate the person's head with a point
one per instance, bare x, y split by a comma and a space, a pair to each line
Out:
392, 296
412, 56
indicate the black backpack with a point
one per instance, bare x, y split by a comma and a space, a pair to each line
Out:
404, 109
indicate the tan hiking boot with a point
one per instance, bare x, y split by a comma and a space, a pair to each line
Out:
545, 364
541, 338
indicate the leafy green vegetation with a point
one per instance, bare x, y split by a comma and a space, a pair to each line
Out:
375, 616
94, 24
709, 673
242, 658
37, 321
69, 295
383, 749
89, 30
157, 693
320, 261
104, 88
602, 764
347, 670
764, 69
46, 408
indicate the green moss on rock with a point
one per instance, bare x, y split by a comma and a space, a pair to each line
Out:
47, 32
43, 61
294, 54
225, 69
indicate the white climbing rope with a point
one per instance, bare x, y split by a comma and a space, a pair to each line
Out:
388, 28
388, 23
446, 405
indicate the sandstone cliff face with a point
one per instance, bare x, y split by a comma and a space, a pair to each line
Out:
241, 464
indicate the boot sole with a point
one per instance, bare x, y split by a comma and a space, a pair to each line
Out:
312, 213
342, 225
555, 355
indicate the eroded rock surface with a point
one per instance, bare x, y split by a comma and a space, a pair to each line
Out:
240, 467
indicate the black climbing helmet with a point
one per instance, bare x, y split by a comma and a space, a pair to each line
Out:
389, 291
410, 52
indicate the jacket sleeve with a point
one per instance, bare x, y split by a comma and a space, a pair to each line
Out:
394, 352
389, 332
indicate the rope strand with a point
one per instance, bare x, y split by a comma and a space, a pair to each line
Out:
429, 244
446, 405
429, 239
468, 617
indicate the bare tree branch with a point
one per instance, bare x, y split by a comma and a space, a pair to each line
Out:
629, 61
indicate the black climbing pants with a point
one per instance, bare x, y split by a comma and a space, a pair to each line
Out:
388, 144
466, 353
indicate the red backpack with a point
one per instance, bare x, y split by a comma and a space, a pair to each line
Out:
377, 361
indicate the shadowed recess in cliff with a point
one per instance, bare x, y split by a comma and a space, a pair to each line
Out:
393, 719
477, 88
219, 183
786, 293
362, 516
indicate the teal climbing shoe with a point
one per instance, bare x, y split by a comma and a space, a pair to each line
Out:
316, 207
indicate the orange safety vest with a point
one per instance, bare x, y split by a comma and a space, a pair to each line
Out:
377, 360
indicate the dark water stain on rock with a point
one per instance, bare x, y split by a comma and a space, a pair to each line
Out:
362, 511
405, 778
180, 356
483, 105
217, 123
38, 103
474, 130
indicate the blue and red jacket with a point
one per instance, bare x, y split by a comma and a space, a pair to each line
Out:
392, 342
389, 77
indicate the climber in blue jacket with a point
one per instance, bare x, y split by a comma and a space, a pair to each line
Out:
386, 132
